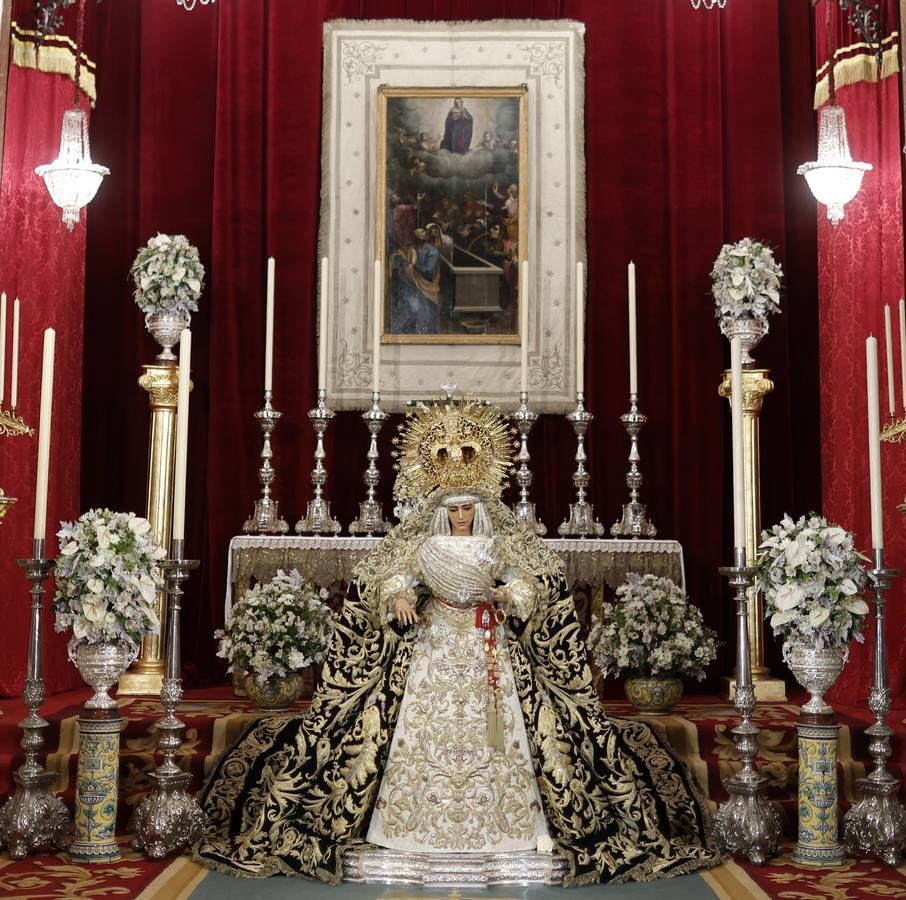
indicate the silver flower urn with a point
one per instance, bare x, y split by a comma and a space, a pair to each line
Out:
816, 670
101, 666
166, 327
749, 331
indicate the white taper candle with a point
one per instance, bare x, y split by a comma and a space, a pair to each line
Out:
902, 352
523, 327
580, 328
888, 336
14, 374
44, 428
377, 323
182, 436
633, 357
874, 443
2, 347
322, 327
269, 327
739, 478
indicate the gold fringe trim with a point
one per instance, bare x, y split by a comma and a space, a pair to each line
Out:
56, 54
859, 67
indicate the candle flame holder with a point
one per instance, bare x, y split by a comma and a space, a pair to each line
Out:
371, 519
317, 519
523, 418
266, 518
877, 823
634, 523
12, 425
34, 816
581, 521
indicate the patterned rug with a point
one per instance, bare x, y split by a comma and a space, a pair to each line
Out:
699, 730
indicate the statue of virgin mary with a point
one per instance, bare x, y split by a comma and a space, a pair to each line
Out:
456, 712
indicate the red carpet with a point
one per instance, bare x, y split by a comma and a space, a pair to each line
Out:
699, 730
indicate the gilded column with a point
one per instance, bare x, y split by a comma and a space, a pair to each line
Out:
97, 783
160, 381
756, 386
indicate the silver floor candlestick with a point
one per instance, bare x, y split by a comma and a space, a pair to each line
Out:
317, 519
371, 519
265, 518
747, 823
634, 523
581, 521
34, 816
169, 818
877, 823
523, 418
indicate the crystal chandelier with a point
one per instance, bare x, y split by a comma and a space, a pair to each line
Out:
708, 4
72, 179
834, 178
189, 5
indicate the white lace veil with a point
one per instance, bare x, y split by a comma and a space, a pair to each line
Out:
440, 520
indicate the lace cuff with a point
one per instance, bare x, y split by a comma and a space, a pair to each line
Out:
391, 589
520, 598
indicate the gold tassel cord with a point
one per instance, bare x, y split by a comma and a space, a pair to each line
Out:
56, 55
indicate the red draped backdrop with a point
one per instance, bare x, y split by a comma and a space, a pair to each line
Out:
209, 121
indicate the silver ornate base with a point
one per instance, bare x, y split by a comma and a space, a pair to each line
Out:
581, 522
369, 865
877, 823
318, 520
265, 519
747, 823
34, 816
634, 523
169, 818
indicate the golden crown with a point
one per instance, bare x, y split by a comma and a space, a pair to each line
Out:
453, 445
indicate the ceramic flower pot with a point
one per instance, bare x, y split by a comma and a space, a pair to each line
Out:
101, 666
653, 696
276, 694
166, 327
749, 331
816, 670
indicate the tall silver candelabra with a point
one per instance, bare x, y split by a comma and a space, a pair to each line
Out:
634, 523
34, 816
266, 517
581, 521
317, 519
877, 823
524, 418
371, 519
747, 823
170, 818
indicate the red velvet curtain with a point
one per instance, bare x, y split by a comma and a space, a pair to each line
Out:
44, 265
860, 269
695, 120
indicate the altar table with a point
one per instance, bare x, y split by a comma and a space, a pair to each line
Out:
328, 560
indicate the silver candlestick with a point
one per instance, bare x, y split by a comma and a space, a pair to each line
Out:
747, 823
371, 520
524, 418
34, 816
634, 523
581, 521
317, 519
877, 823
170, 818
266, 517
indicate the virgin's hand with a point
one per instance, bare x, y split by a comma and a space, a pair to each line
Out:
405, 613
498, 596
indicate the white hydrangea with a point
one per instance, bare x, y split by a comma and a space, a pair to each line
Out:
168, 275
746, 281
812, 576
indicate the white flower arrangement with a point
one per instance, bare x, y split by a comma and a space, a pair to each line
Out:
168, 275
746, 281
812, 577
277, 628
107, 577
652, 629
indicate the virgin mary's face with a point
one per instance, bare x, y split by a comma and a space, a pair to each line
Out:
461, 516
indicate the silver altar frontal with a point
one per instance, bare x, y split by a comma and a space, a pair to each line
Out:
327, 560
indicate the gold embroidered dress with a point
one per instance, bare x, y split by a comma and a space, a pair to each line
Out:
399, 745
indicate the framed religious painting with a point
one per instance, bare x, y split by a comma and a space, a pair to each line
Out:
452, 163
451, 213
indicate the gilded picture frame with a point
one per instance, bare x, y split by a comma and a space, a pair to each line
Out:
452, 182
